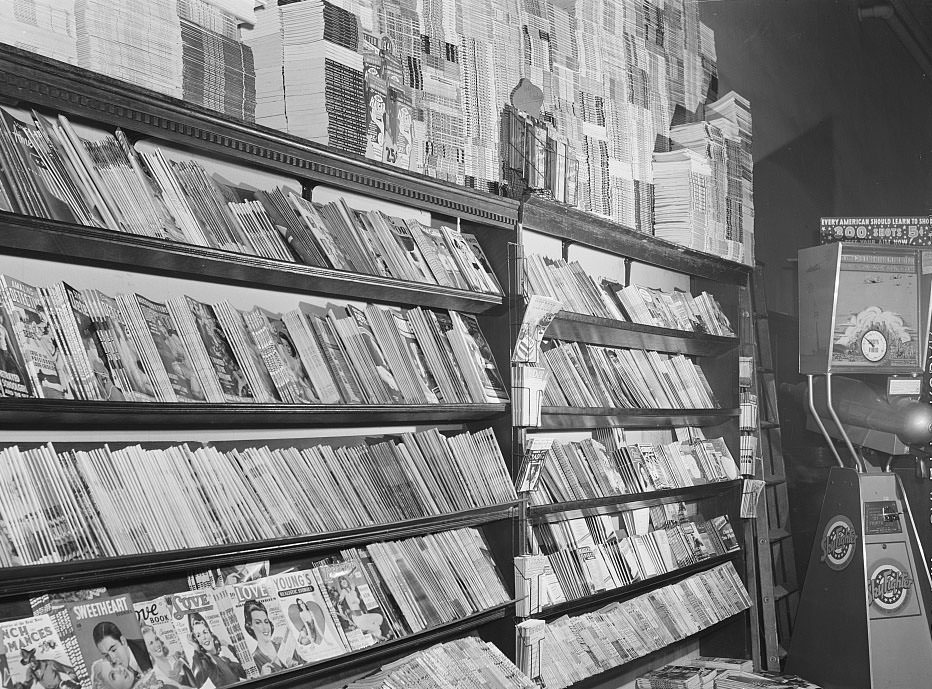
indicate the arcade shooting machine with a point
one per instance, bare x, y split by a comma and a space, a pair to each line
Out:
863, 617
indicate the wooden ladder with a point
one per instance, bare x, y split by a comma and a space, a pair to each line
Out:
778, 585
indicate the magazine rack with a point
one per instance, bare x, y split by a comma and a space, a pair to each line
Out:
33, 81
718, 358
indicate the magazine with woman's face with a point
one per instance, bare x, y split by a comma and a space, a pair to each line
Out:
308, 615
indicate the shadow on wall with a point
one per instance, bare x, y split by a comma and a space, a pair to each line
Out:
793, 187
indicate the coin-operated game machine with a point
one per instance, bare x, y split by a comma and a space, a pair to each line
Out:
863, 616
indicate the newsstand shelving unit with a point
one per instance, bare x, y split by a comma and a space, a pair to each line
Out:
718, 358
32, 81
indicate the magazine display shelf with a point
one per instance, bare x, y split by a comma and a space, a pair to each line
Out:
41, 81
641, 665
373, 656
579, 606
33, 579
581, 418
580, 327
561, 511
29, 80
718, 358
60, 241
25, 413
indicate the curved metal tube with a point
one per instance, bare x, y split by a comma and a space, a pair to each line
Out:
815, 416
858, 462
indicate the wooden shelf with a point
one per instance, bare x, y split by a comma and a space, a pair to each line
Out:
34, 79
301, 677
600, 679
597, 600
27, 580
65, 242
581, 227
602, 417
561, 511
30, 413
578, 327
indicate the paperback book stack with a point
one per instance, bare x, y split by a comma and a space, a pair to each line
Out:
60, 342
55, 172
585, 469
251, 620
474, 663
584, 375
217, 67
595, 554
106, 502
575, 648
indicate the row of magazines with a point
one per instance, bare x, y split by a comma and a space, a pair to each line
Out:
586, 469
588, 375
53, 168
568, 649
248, 621
107, 501
580, 557
606, 298
62, 342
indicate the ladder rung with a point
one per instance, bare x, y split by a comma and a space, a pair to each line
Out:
782, 592
768, 425
775, 479
779, 534
765, 369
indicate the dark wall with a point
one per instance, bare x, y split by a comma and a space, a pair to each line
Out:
842, 118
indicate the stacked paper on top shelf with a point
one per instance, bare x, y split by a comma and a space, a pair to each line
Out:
136, 41
218, 69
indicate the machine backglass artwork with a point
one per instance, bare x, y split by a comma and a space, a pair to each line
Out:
863, 309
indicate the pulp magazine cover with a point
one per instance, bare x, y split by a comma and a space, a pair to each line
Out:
302, 598
269, 638
32, 654
201, 622
111, 650
354, 605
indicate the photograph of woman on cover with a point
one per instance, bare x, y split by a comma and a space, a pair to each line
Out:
168, 667
266, 654
211, 660
305, 618
352, 608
